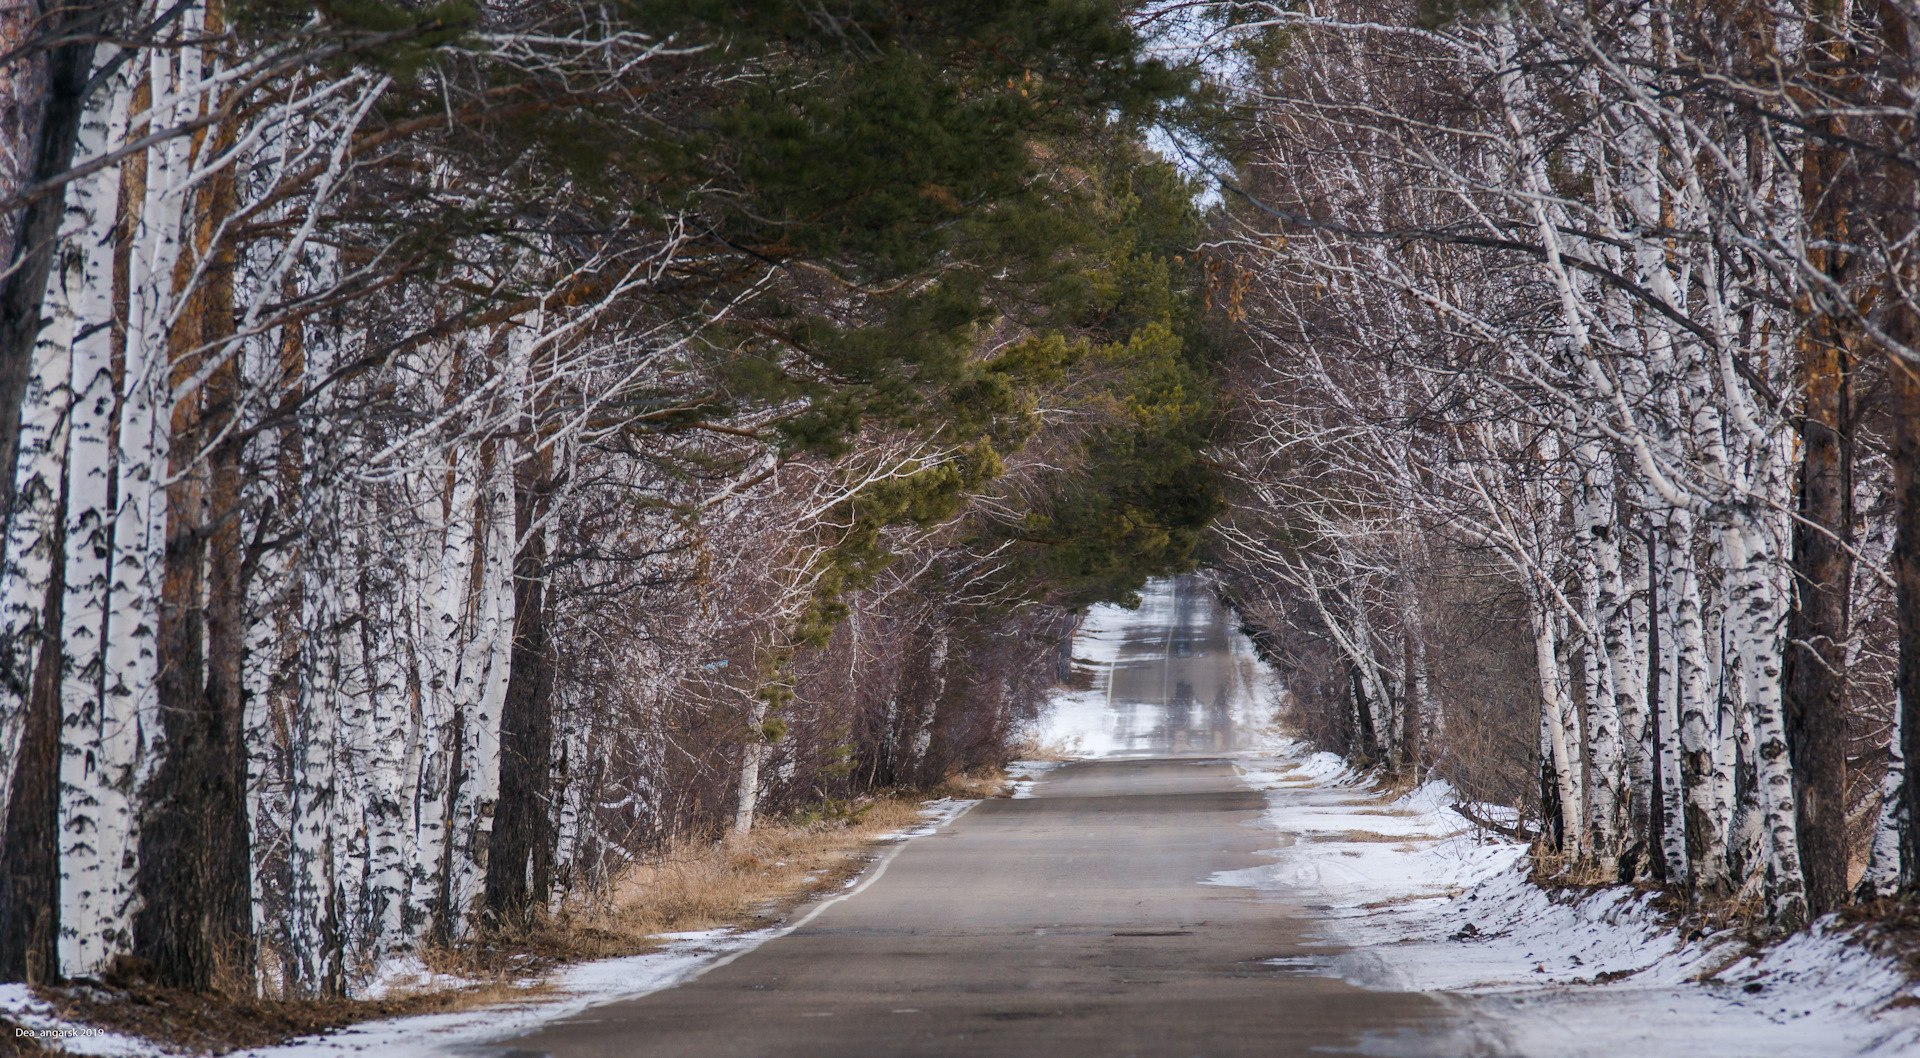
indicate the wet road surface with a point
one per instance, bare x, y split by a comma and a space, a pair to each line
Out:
1077, 922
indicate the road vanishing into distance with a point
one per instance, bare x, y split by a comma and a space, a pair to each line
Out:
1075, 922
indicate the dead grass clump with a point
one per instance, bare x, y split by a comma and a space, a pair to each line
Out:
507, 958
742, 881
215, 1023
978, 784
1034, 749
1370, 835
1392, 784
1889, 926
1372, 808
14, 1045
749, 879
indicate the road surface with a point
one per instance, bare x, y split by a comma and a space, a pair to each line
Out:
1077, 922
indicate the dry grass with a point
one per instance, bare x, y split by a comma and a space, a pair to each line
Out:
748, 880
743, 881
977, 785
1034, 749
215, 1023
1370, 835
13, 1045
1373, 808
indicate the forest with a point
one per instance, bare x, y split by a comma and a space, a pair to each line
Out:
461, 450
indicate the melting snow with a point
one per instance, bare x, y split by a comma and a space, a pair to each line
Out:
1027, 774
1422, 901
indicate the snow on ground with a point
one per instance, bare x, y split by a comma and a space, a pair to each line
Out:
573, 989
1027, 774
685, 956
1417, 899
1084, 723
35, 1015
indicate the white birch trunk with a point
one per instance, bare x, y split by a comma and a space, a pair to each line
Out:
98, 752
1673, 833
1554, 709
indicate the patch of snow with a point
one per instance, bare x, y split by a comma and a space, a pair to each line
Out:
1418, 899
1079, 723
574, 989
933, 816
35, 1015
408, 973
1027, 774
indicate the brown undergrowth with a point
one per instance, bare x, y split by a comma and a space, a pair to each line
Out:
1889, 926
215, 1023
13, 1045
743, 881
1034, 749
1691, 915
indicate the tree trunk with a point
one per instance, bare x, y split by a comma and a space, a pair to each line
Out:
1662, 694
194, 924
31, 261
520, 852
30, 854
1363, 715
1906, 575
445, 916
1557, 755
1903, 327
747, 797
1817, 625
1412, 695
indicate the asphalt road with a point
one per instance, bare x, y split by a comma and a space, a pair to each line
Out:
1077, 922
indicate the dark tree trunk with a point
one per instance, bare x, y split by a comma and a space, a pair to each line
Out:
1903, 326
1363, 715
175, 881
31, 255
195, 919
1815, 678
227, 823
520, 851
194, 923
443, 909
1656, 806
30, 852
1906, 577
1817, 627
1553, 827
1410, 706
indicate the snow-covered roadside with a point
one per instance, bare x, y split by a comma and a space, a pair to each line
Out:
568, 992
1083, 723
1422, 901
1026, 774
34, 1015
